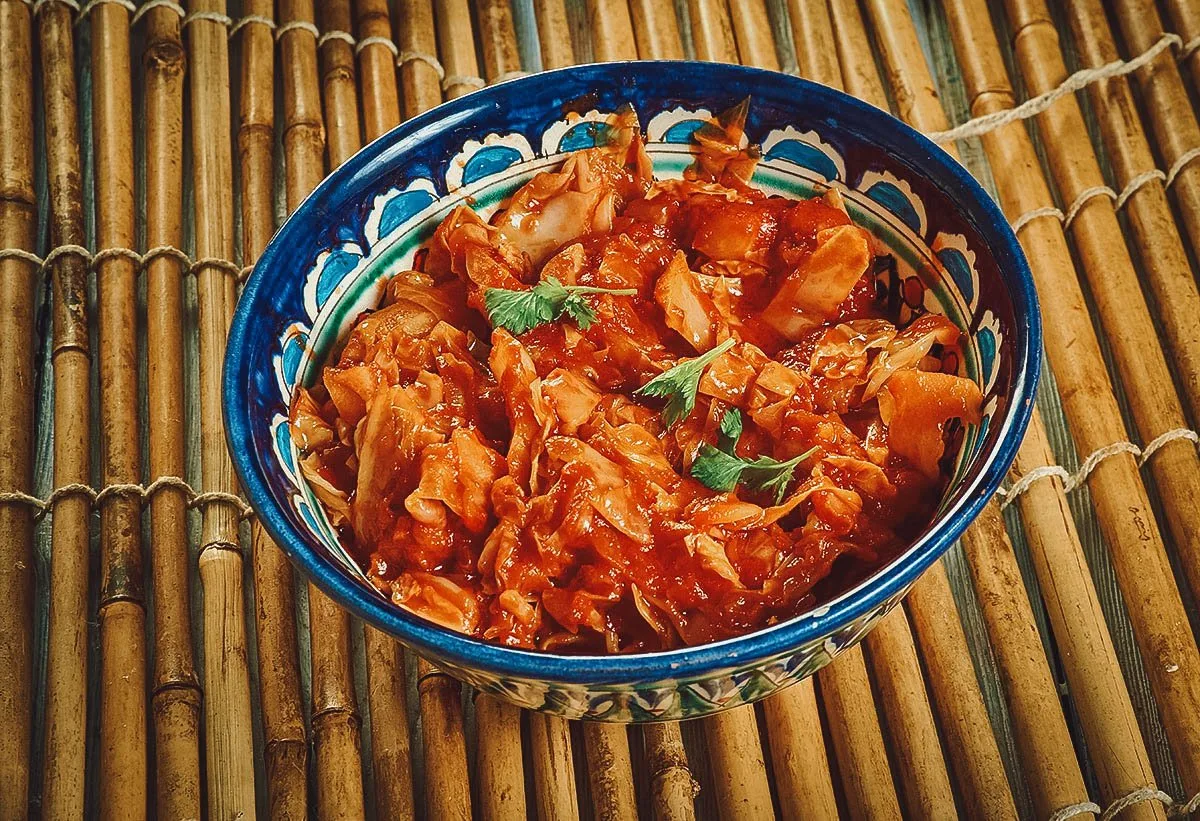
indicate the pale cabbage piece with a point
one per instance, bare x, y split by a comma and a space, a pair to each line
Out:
635, 449
712, 555
731, 375
530, 415
612, 496
840, 360
335, 500
908, 349
865, 475
915, 405
812, 293
466, 247
652, 616
438, 599
689, 311
572, 397
770, 394
456, 476
309, 429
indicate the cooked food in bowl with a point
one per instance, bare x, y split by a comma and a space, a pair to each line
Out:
631, 414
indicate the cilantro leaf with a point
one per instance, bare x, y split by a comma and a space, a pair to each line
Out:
680, 384
520, 311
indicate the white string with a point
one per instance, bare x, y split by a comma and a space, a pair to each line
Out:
153, 4
386, 42
1181, 163
1072, 810
1073, 480
195, 499
453, 80
91, 4
1137, 797
251, 18
141, 260
1189, 48
297, 25
405, 57
1037, 213
344, 36
211, 16
1035, 105
40, 4
511, 75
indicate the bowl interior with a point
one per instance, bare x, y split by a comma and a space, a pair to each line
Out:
953, 256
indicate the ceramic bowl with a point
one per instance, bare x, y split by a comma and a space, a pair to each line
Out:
955, 255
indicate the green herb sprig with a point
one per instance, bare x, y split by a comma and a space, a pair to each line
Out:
721, 469
520, 311
680, 384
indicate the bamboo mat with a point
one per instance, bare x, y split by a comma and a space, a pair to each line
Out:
162, 659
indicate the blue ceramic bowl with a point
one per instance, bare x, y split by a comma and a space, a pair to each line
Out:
955, 256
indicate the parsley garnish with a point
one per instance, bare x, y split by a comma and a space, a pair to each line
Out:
679, 385
519, 311
721, 469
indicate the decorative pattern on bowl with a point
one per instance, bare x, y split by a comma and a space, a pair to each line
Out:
329, 264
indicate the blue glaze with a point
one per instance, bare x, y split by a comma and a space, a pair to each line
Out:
678, 683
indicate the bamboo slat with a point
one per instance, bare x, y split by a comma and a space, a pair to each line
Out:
391, 747
610, 771
415, 36
447, 785
553, 770
18, 217
498, 38
1162, 251
1166, 100
1139, 555
499, 766
175, 693
800, 765
752, 31
282, 709
1185, 17
66, 662
712, 31
335, 722
456, 49
612, 30
672, 788
656, 29
812, 33
1115, 286
1073, 607
554, 34
738, 768
228, 724
122, 608
855, 54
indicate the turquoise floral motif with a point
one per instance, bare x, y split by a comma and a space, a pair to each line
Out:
489, 158
805, 149
896, 196
939, 276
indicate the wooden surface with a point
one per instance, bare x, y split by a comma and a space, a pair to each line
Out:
1054, 657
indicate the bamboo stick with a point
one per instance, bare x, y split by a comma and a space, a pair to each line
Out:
554, 34
920, 764
18, 220
447, 786
610, 771
335, 721
228, 737
1085, 647
656, 29
175, 694
456, 48
501, 769
1115, 287
553, 767
712, 31
122, 608
415, 33
855, 54
1185, 18
66, 663
391, 748
285, 748
752, 31
1123, 508
857, 738
1166, 100
799, 763
498, 39
812, 32
739, 771
894, 656
672, 788
1162, 251
612, 30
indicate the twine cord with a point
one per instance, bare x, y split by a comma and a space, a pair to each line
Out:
1073, 480
469, 80
251, 18
386, 42
41, 4
1081, 79
1189, 48
210, 16
170, 5
195, 499
189, 265
128, 5
297, 25
403, 58
511, 75
334, 34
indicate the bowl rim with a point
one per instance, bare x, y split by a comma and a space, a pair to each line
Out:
686, 663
